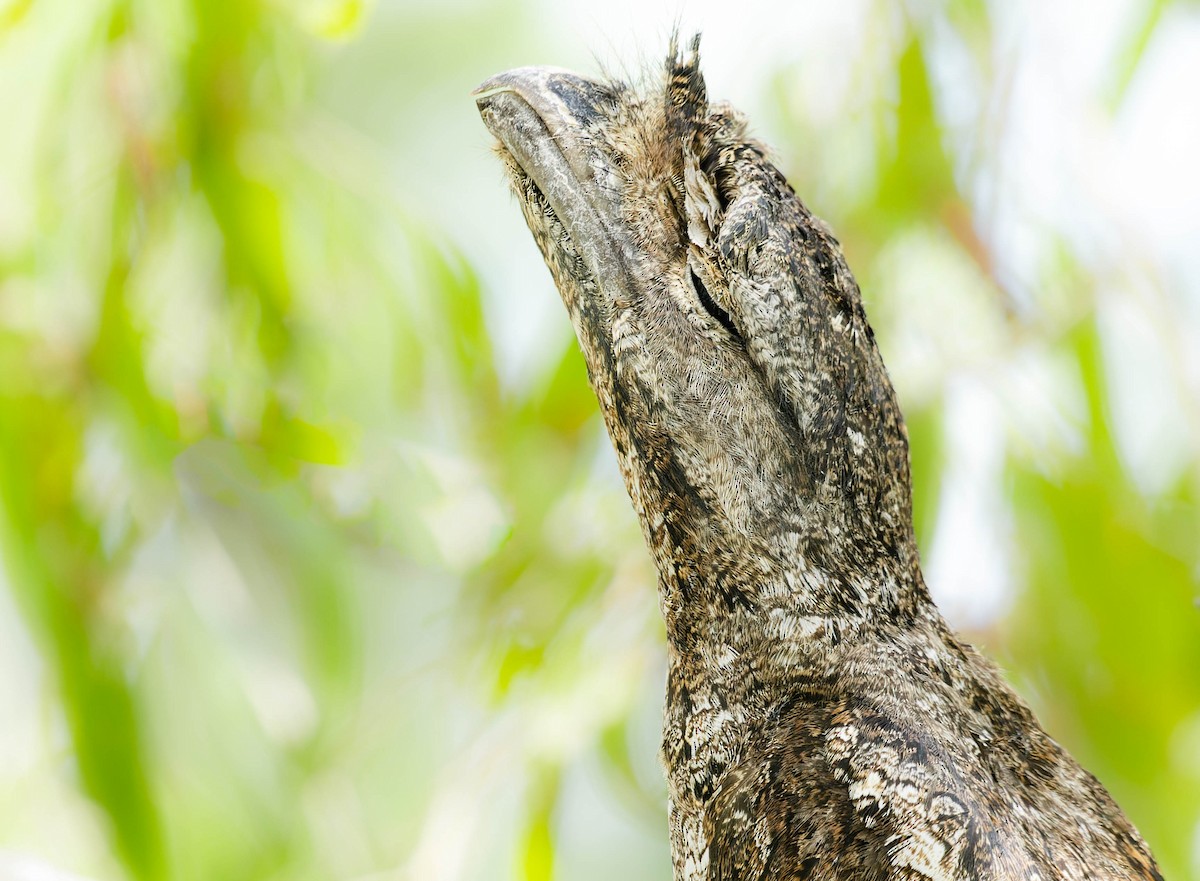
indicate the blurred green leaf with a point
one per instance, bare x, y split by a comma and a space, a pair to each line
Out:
915, 175
1138, 40
54, 554
13, 12
926, 452
337, 19
1109, 619
537, 857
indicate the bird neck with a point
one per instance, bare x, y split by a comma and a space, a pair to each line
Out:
783, 598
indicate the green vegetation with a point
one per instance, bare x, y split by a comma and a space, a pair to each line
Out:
301, 580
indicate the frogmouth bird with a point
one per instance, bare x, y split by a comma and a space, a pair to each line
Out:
822, 721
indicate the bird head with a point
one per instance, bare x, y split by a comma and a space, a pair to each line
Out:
723, 333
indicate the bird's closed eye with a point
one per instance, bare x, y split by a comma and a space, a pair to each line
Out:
710, 305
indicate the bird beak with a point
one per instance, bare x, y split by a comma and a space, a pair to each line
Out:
547, 120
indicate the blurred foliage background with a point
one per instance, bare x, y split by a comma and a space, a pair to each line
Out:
316, 563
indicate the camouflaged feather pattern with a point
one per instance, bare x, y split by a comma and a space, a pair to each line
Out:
821, 722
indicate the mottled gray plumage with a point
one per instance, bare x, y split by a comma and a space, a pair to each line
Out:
821, 719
